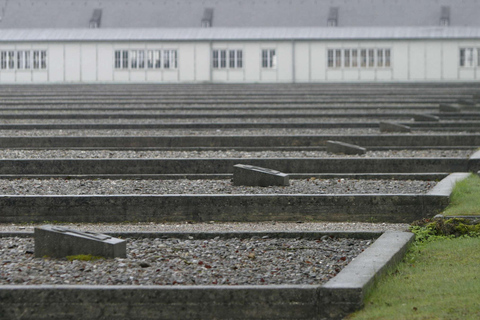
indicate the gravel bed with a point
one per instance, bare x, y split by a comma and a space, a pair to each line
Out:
227, 111
219, 120
209, 132
271, 226
160, 154
297, 186
251, 261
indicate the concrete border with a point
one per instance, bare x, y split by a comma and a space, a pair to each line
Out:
445, 186
342, 295
211, 141
231, 208
226, 165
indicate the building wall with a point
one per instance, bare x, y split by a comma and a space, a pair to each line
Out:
296, 61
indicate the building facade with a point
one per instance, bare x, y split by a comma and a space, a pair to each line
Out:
354, 41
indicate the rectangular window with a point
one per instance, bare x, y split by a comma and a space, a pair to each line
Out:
134, 59
223, 59
354, 58
216, 55
43, 59
141, 59
363, 58
346, 58
166, 59
28, 62
269, 58
118, 59
158, 59
20, 64
125, 59
371, 58
239, 59
338, 58
3, 59
36, 59
380, 58
387, 58
330, 58
231, 59
11, 59
462, 58
150, 59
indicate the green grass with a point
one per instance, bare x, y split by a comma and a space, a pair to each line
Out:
439, 279
465, 198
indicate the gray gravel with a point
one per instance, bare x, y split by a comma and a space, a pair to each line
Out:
303, 186
206, 132
253, 261
188, 227
133, 154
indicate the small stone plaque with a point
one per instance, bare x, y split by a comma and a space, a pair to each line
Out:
59, 242
246, 175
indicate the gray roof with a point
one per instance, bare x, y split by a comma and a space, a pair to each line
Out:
234, 13
207, 34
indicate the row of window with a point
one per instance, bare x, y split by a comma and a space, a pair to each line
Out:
359, 58
469, 57
146, 59
23, 59
235, 59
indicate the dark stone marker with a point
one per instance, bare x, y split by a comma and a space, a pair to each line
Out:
246, 175
345, 148
393, 127
425, 117
59, 242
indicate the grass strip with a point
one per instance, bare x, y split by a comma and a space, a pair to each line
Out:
465, 198
439, 279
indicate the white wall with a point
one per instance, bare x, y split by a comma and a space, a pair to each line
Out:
297, 61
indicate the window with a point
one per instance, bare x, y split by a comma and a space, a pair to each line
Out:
43, 59
36, 59
346, 58
11, 59
269, 58
118, 59
124, 59
3, 59
20, 59
354, 58
363, 58
469, 57
371, 58
380, 58
145, 59
150, 59
227, 59
158, 59
330, 58
338, 58
133, 59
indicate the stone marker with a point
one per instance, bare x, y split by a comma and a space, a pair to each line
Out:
345, 148
59, 242
393, 127
425, 117
449, 108
246, 175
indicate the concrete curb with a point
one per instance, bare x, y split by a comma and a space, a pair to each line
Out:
340, 296
231, 208
222, 166
393, 140
445, 187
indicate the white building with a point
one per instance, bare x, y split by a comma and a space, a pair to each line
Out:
157, 41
